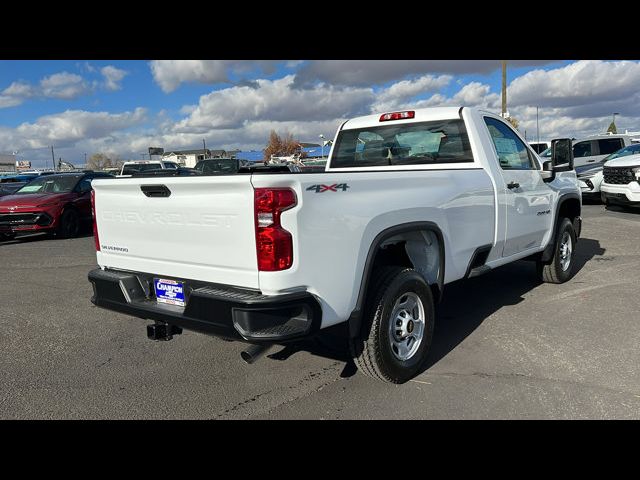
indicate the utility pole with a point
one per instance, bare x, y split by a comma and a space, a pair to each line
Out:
53, 159
504, 88
204, 149
85, 160
537, 126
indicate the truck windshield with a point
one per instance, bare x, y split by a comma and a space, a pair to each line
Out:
442, 141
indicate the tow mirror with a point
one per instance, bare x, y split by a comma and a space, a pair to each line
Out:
561, 155
547, 172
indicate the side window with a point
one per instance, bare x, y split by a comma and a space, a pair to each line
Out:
85, 185
512, 152
582, 149
609, 145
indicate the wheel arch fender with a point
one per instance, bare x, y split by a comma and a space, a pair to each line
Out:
566, 203
355, 319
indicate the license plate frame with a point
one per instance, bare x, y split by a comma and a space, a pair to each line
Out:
169, 292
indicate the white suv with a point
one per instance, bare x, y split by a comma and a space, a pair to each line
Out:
593, 149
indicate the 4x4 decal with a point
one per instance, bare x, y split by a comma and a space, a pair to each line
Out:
328, 188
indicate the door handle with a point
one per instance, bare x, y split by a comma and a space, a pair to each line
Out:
155, 190
590, 161
513, 185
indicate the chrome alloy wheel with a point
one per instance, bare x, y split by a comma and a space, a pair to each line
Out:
566, 248
406, 326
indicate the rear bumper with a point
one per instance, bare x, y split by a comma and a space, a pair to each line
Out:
213, 309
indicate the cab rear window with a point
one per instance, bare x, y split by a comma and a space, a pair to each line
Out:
420, 143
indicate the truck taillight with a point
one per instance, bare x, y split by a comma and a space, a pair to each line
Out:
93, 220
274, 244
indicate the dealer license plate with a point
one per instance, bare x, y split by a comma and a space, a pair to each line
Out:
169, 291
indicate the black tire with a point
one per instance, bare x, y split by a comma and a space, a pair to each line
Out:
69, 224
372, 351
553, 271
5, 237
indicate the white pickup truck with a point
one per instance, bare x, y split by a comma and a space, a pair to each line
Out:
407, 203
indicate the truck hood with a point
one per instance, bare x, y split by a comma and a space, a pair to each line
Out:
30, 200
628, 161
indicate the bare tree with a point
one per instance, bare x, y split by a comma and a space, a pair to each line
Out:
99, 161
282, 146
514, 122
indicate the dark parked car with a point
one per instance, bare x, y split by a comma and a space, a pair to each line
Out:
220, 165
58, 203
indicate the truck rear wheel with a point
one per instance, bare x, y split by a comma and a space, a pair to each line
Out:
561, 266
397, 328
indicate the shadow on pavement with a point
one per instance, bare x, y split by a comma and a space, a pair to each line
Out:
466, 304
619, 208
37, 237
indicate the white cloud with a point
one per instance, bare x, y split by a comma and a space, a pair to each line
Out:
399, 92
15, 94
19, 89
7, 101
68, 127
169, 74
579, 83
112, 77
274, 100
63, 85
378, 72
476, 94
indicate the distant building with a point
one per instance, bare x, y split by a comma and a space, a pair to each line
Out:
188, 158
231, 153
7, 163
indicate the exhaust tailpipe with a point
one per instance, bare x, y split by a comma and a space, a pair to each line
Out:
254, 352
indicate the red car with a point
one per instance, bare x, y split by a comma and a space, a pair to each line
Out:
58, 204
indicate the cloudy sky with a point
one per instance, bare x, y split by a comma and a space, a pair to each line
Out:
124, 107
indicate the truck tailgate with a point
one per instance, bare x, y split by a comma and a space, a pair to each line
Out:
183, 227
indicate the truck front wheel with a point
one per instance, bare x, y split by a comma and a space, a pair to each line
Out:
397, 328
561, 266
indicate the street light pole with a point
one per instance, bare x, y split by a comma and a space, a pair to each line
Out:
504, 88
322, 144
537, 125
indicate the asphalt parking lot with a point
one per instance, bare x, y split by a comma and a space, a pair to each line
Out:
505, 347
